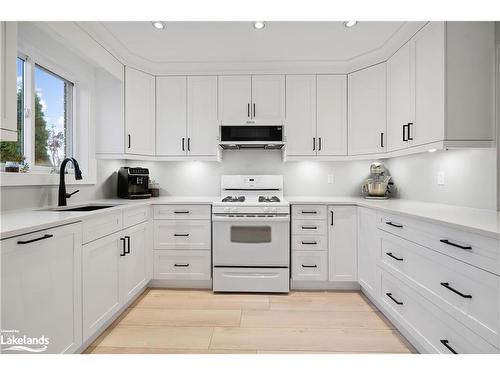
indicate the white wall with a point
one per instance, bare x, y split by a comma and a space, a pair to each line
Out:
470, 177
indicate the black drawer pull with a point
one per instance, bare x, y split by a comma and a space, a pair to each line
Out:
395, 257
309, 212
394, 225
447, 345
181, 264
395, 300
456, 245
181, 234
309, 242
309, 227
305, 266
181, 212
44, 237
447, 286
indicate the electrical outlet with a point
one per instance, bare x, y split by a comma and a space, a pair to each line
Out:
440, 178
330, 178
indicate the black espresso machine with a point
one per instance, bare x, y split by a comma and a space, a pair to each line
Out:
133, 183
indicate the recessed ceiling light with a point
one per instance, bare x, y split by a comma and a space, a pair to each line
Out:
259, 25
349, 24
158, 25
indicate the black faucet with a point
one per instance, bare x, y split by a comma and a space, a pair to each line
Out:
62, 185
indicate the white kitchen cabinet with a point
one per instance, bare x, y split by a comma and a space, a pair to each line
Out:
171, 116
300, 119
399, 99
331, 116
182, 235
8, 92
139, 112
368, 245
41, 287
342, 243
367, 110
202, 125
182, 265
235, 98
309, 265
251, 100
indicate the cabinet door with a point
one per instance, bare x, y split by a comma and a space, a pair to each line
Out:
202, 125
428, 47
8, 96
368, 244
300, 121
139, 112
398, 99
331, 107
235, 99
171, 104
101, 288
133, 271
366, 110
268, 99
342, 243
41, 288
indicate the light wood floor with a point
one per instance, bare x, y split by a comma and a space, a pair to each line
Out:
196, 321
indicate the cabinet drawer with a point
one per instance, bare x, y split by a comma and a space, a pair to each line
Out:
183, 212
469, 294
309, 227
309, 243
270, 280
480, 251
101, 225
309, 265
308, 211
186, 265
180, 235
133, 216
434, 329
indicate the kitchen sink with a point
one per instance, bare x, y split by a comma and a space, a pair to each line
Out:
92, 207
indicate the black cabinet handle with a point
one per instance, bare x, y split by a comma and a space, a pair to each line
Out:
404, 133
409, 137
181, 212
395, 257
447, 345
309, 243
394, 225
314, 144
319, 144
189, 144
331, 224
254, 110
44, 237
447, 286
123, 248
181, 264
181, 234
128, 136
309, 212
128, 244
394, 300
248, 110
382, 140
305, 266
309, 227
183, 144
456, 245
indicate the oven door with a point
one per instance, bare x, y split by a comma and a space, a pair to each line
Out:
251, 241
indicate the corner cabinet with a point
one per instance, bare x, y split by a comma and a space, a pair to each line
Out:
8, 96
368, 248
139, 112
367, 110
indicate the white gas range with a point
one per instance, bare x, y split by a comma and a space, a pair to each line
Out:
251, 235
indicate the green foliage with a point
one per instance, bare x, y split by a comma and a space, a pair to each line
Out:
12, 151
41, 134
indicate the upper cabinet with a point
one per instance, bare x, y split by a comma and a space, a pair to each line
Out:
186, 116
139, 112
8, 94
366, 110
251, 100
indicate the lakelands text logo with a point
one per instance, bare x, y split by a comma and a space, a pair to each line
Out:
12, 340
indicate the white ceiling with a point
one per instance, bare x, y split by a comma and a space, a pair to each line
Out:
139, 44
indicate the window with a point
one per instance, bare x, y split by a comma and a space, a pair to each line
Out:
53, 118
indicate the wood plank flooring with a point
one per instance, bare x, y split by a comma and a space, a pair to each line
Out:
199, 322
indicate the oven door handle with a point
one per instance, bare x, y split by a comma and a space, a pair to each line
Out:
250, 219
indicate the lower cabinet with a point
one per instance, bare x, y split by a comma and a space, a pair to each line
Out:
342, 243
182, 265
368, 245
114, 270
41, 290
309, 265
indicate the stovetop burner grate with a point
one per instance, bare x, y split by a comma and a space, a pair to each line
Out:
274, 198
229, 198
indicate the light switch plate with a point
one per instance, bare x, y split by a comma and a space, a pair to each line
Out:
330, 178
440, 178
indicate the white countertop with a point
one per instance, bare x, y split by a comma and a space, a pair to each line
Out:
484, 222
